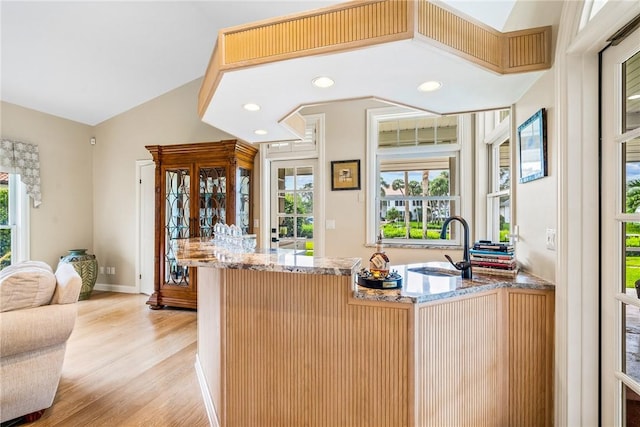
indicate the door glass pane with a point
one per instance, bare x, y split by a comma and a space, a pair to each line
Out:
304, 178
304, 203
242, 203
631, 153
285, 227
631, 103
631, 362
285, 203
631, 266
5, 229
285, 178
177, 223
631, 409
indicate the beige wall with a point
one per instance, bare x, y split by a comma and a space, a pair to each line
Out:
64, 220
536, 201
345, 139
169, 119
89, 192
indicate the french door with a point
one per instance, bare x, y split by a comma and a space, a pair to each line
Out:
293, 202
620, 233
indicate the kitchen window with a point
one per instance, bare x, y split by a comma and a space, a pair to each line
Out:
415, 168
499, 194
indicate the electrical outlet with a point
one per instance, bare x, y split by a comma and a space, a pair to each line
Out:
101, 269
551, 239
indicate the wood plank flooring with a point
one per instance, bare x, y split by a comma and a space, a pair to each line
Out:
127, 365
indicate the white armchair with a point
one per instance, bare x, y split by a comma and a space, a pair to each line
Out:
37, 316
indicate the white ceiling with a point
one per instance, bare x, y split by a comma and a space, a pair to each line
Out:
89, 61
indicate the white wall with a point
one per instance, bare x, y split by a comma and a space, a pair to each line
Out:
169, 119
536, 201
64, 220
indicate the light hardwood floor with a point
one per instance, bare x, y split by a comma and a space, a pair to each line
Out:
127, 365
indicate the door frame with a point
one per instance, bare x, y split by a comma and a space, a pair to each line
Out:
139, 247
320, 183
613, 379
577, 323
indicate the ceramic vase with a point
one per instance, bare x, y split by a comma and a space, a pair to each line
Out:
87, 267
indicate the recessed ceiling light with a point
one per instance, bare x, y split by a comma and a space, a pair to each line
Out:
633, 97
322, 82
251, 106
429, 86
260, 132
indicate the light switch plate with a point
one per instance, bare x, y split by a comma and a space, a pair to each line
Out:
551, 239
331, 224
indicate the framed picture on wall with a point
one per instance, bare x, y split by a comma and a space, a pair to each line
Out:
345, 175
532, 147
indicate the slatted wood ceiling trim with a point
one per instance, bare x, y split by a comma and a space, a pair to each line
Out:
345, 27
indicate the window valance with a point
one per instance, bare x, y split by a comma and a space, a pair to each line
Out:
22, 158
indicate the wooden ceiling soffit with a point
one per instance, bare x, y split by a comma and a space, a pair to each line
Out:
358, 24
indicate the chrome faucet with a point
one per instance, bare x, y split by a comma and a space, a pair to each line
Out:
465, 265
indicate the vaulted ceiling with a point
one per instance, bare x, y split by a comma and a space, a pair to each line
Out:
90, 61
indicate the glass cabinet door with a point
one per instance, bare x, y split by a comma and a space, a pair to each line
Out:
177, 215
242, 199
212, 199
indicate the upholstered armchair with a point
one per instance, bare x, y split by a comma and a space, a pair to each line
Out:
37, 313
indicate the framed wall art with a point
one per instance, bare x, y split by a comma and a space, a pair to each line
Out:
345, 175
532, 147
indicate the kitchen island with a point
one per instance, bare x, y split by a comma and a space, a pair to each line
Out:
288, 339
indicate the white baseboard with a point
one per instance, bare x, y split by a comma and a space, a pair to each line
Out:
206, 396
116, 288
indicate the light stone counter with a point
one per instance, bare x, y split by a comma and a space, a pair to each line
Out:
416, 287
197, 252
419, 288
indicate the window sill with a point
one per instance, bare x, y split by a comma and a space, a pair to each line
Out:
414, 246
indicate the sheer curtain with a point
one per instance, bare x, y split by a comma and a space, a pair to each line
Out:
22, 158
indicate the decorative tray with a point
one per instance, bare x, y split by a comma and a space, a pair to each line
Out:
366, 279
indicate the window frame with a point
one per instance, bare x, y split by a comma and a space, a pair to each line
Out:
18, 221
462, 150
500, 135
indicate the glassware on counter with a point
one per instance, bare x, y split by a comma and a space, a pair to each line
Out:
230, 237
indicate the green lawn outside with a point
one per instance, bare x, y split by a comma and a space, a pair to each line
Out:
633, 270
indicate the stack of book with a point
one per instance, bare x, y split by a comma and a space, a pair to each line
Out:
493, 258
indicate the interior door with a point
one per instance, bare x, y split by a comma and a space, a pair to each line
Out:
147, 226
293, 201
620, 234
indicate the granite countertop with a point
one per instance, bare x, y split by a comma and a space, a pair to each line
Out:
202, 252
418, 288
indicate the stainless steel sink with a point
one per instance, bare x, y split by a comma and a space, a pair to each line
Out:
430, 271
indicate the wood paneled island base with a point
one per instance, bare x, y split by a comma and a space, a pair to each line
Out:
289, 340
278, 348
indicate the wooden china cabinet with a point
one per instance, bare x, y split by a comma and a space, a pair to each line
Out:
196, 185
